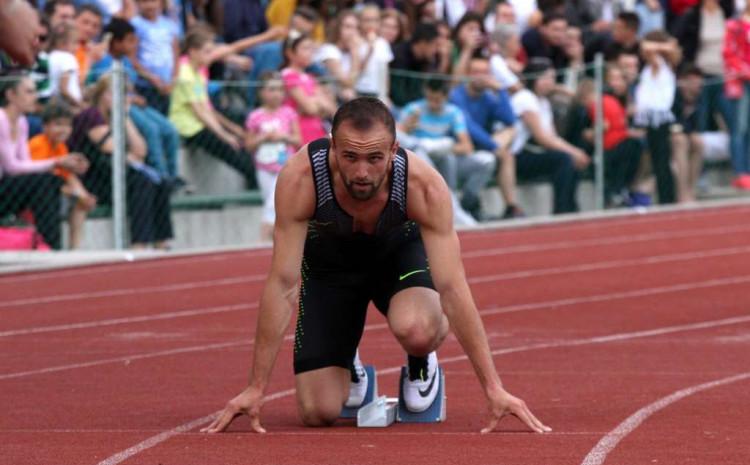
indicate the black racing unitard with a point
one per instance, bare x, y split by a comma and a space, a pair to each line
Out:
331, 242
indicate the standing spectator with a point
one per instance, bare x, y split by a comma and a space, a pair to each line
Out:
490, 119
737, 90
418, 54
341, 54
63, 66
548, 40
147, 196
654, 97
50, 144
25, 183
549, 154
193, 116
89, 25
623, 38
373, 80
434, 127
161, 136
272, 136
158, 50
312, 102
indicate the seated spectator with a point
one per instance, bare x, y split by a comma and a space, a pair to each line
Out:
50, 144
341, 54
63, 67
373, 80
687, 146
622, 38
25, 183
539, 150
89, 25
503, 14
312, 102
737, 91
161, 136
393, 27
548, 40
147, 195
272, 136
507, 56
654, 97
191, 112
622, 147
469, 39
158, 50
629, 64
59, 12
490, 120
434, 127
418, 54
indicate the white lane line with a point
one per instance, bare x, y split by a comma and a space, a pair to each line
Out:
129, 320
219, 255
134, 290
159, 438
607, 444
479, 279
611, 240
654, 259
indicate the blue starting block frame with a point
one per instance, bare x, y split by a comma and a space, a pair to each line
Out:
372, 393
434, 414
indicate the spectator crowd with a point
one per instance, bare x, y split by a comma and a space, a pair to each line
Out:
487, 91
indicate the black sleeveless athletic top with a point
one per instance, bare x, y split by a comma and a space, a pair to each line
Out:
331, 241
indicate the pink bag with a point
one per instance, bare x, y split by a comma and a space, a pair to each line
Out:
21, 239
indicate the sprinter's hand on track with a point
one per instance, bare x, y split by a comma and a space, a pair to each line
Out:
503, 403
248, 402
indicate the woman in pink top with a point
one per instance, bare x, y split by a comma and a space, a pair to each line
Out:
304, 95
25, 183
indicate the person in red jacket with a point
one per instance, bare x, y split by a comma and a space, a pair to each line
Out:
737, 88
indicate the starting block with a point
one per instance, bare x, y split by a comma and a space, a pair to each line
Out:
377, 414
372, 393
434, 414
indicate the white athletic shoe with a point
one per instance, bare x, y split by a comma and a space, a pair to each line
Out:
358, 390
420, 389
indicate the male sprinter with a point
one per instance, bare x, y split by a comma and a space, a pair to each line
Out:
362, 217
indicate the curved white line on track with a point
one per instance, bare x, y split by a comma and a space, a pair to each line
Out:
607, 444
159, 438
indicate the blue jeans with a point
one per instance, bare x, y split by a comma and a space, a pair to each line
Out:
161, 137
739, 132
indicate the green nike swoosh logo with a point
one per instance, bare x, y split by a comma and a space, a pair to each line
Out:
404, 276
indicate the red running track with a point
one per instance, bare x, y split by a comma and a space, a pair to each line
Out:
629, 336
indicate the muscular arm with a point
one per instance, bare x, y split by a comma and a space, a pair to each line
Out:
280, 293
429, 205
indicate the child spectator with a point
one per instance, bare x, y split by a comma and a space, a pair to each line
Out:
50, 144
63, 66
191, 112
272, 135
89, 25
622, 151
654, 97
737, 90
373, 80
304, 95
434, 127
158, 50
26, 183
161, 137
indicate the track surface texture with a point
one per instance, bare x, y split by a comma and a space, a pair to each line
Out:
629, 336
